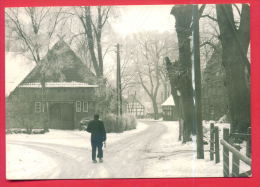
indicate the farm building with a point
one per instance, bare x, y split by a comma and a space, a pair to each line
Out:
135, 107
68, 96
169, 110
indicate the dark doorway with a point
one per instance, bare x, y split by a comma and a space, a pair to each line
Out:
61, 116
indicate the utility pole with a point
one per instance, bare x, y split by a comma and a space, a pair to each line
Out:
196, 80
118, 83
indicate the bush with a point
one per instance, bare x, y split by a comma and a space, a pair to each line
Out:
24, 131
130, 122
125, 122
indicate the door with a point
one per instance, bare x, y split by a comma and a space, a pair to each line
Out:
61, 116
67, 115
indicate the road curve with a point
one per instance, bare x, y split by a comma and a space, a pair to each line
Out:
125, 158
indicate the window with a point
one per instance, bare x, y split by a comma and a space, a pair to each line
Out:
78, 106
85, 106
37, 107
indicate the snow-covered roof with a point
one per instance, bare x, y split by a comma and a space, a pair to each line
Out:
58, 85
70, 67
17, 67
169, 101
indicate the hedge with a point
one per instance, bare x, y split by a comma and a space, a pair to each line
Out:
125, 122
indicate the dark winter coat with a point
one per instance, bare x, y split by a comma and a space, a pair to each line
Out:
97, 130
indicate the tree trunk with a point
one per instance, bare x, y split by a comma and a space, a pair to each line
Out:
235, 62
98, 39
179, 110
183, 17
100, 56
174, 92
187, 107
89, 34
155, 108
44, 108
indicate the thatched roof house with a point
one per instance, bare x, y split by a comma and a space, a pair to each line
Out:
69, 93
61, 64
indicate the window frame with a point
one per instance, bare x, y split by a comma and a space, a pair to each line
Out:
83, 108
78, 106
37, 107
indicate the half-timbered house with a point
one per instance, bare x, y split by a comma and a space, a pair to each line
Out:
135, 107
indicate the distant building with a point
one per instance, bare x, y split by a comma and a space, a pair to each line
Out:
169, 109
135, 107
69, 93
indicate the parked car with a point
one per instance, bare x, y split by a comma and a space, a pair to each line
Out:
84, 124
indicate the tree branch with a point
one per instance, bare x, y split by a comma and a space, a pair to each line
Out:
23, 35
239, 12
105, 13
208, 43
143, 85
201, 10
210, 17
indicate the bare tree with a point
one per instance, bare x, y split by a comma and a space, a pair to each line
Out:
83, 52
34, 28
235, 39
173, 71
232, 29
149, 60
93, 24
128, 66
128, 74
182, 81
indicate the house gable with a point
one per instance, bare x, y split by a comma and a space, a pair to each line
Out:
61, 64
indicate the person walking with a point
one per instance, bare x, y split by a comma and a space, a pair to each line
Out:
98, 136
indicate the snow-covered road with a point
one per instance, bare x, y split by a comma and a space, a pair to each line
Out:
124, 158
150, 151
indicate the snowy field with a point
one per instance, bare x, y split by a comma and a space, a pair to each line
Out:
148, 154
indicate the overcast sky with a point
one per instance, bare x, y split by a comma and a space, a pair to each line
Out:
135, 19
130, 20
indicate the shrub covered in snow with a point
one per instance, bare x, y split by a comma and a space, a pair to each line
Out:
125, 122
24, 131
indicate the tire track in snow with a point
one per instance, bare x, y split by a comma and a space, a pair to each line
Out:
68, 166
126, 158
122, 159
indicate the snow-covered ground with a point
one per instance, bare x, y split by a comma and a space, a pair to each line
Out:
73, 138
171, 158
23, 162
150, 151
175, 159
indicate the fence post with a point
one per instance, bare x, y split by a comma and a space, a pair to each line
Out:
226, 153
235, 163
217, 145
211, 150
248, 143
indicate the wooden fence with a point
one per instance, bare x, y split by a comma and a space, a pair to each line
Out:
236, 155
214, 143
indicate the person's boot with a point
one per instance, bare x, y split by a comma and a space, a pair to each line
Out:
100, 160
94, 161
